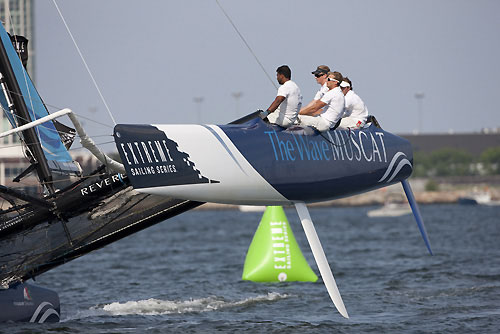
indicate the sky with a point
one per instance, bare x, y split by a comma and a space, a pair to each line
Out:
160, 62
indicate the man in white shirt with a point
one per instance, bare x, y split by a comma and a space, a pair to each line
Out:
320, 73
288, 100
332, 103
356, 112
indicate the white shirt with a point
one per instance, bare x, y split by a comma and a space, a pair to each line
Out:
321, 92
290, 107
355, 107
334, 109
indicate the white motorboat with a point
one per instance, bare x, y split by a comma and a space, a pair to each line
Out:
390, 210
477, 197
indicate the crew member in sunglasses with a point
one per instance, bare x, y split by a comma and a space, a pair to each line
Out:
320, 74
325, 114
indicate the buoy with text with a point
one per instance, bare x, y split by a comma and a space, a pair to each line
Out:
274, 255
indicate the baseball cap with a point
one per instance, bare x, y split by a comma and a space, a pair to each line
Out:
321, 69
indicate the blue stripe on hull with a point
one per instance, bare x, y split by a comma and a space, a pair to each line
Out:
309, 166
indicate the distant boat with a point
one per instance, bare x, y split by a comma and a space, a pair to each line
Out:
477, 198
390, 210
251, 208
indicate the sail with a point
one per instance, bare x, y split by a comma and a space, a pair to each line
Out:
56, 154
20, 44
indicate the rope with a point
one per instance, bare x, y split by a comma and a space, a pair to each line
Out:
71, 149
335, 144
248, 46
92, 120
84, 62
55, 131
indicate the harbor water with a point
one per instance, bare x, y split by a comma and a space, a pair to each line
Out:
184, 275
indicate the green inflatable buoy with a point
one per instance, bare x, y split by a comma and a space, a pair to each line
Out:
274, 255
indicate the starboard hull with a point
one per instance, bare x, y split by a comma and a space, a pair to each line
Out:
257, 163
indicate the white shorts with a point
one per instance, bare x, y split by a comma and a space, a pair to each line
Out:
281, 120
351, 122
317, 122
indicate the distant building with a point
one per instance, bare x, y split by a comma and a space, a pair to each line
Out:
17, 17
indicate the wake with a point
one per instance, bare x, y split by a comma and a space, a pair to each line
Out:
154, 306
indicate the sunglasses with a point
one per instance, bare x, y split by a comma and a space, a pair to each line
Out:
332, 79
317, 75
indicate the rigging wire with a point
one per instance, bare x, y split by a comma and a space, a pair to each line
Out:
248, 46
70, 149
25, 145
84, 62
92, 120
79, 115
55, 107
60, 132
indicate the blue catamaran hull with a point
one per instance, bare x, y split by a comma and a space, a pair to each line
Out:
260, 163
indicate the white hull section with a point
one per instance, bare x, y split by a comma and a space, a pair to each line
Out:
218, 159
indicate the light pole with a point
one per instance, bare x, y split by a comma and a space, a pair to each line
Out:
237, 96
198, 100
420, 97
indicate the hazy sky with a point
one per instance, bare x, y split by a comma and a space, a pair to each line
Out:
152, 59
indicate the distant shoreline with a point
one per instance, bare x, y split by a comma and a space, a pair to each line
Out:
449, 191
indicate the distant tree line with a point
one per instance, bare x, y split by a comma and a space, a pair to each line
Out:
455, 162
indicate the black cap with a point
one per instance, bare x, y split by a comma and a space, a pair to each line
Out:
322, 69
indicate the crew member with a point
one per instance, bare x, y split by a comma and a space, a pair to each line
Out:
332, 103
320, 74
356, 112
288, 100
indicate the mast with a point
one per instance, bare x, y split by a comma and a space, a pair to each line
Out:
21, 110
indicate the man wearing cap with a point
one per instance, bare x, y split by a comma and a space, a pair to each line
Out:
320, 73
332, 103
356, 112
288, 100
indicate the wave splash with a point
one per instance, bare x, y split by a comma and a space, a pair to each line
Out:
154, 306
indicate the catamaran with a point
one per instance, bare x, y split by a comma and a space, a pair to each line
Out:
167, 170
253, 162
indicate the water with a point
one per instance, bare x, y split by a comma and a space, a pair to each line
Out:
185, 275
